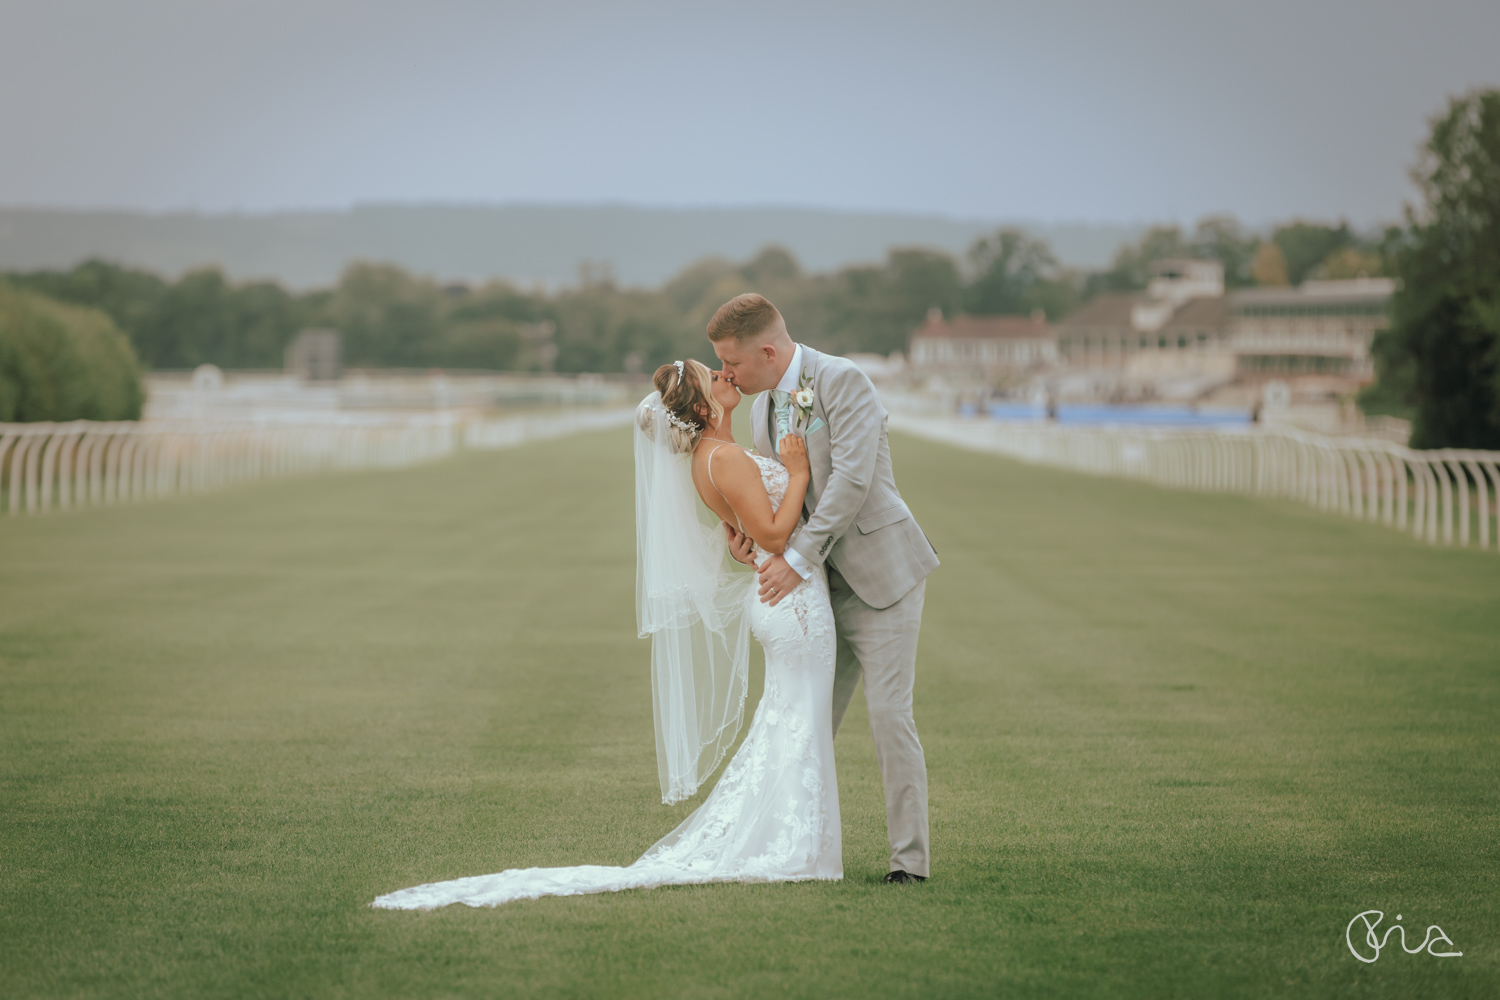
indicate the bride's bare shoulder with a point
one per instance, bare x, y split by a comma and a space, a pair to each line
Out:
725, 460
720, 453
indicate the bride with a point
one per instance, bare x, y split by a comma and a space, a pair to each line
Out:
774, 815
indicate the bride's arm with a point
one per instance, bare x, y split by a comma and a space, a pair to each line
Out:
737, 478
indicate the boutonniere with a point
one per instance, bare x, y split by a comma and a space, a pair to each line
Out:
802, 399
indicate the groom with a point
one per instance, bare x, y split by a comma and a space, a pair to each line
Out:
859, 528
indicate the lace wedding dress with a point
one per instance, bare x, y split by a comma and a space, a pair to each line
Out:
774, 815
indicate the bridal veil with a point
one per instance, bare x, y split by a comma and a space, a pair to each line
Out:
690, 605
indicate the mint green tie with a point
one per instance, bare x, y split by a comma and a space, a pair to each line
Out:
783, 401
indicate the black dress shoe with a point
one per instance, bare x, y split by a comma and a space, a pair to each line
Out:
900, 877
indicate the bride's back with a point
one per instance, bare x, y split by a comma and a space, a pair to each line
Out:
717, 464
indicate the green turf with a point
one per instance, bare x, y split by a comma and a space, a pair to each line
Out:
1176, 743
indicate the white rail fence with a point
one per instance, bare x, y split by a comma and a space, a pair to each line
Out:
1447, 496
46, 466
1443, 496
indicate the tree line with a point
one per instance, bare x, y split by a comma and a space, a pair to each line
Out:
390, 318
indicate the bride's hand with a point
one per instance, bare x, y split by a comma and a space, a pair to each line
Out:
794, 455
741, 546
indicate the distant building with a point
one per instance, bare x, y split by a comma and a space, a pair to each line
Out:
1101, 333
313, 356
983, 347
1176, 326
1317, 328
1185, 323
1174, 283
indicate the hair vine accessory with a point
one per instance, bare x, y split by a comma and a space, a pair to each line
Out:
679, 423
681, 374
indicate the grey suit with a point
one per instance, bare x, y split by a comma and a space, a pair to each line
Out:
878, 560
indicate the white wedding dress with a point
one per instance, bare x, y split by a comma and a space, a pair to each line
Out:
774, 815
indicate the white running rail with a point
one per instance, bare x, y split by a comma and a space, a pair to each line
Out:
59, 466
1446, 496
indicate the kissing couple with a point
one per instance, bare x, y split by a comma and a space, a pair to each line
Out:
841, 575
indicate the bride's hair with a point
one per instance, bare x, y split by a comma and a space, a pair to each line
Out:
686, 389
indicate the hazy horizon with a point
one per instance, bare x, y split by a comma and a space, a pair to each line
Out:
605, 203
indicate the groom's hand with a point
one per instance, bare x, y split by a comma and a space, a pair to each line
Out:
741, 548
777, 579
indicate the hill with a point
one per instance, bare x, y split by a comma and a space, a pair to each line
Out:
525, 243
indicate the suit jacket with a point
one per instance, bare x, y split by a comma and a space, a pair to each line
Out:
856, 520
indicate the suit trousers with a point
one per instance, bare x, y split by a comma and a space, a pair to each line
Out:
881, 645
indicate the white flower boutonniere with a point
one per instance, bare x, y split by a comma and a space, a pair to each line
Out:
803, 399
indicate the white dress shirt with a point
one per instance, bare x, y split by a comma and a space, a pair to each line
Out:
788, 385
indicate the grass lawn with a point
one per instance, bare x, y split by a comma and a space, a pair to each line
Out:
1176, 744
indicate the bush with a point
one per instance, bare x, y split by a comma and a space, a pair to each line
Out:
61, 362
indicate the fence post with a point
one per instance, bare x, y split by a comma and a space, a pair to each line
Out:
1492, 472
49, 467
40, 435
1481, 499
1441, 471
1456, 470
7, 439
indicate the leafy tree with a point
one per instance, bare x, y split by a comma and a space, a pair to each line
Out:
1223, 238
1269, 267
918, 280
1014, 274
128, 296
204, 318
1441, 354
896, 298
486, 328
852, 314
1387, 246
690, 288
387, 317
609, 330
63, 362
1305, 245
1216, 237
1131, 268
771, 265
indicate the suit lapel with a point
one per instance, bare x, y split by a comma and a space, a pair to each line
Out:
817, 444
810, 359
809, 366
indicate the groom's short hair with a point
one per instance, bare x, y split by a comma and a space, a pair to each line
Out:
742, 317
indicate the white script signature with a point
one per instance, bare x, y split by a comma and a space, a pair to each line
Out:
1375, 944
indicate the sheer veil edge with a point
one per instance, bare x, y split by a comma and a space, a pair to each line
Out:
692, 608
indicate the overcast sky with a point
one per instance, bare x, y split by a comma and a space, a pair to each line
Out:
1089, 111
